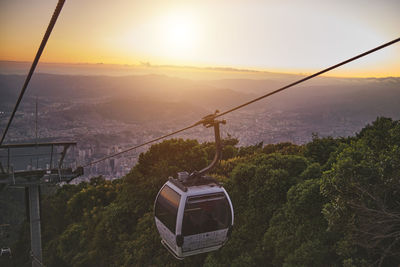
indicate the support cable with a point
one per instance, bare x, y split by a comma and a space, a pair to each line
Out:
35, 62
132, 148
311, 76
216, 115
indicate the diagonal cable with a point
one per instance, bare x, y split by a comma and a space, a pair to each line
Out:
132, 148
213, 116
311, 76
35, 62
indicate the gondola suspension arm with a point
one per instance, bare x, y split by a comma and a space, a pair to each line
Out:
210, 121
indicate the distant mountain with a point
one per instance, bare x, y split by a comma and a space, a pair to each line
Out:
141, 98
148, 86
129, 110
128, 98
10, 85
360, 95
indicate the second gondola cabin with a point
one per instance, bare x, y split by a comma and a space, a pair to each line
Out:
193, 218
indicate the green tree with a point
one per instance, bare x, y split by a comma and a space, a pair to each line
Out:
330, 202
319, 149
363, 188
285, 148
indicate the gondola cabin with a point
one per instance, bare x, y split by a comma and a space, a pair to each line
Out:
193, 218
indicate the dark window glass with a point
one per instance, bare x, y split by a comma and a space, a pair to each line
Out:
167, 207
206, 213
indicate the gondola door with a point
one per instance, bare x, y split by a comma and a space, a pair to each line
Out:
166, 214
206, 222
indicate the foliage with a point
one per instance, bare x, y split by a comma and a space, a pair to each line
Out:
363, 191
285, 148
331, 202
320, 149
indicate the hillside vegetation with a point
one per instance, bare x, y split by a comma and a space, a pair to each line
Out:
331, 202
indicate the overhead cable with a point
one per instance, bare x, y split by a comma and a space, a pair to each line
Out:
132, 148
35, 62
311, 76
216, 115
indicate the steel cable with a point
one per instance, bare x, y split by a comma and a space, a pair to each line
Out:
35, 62
254, 100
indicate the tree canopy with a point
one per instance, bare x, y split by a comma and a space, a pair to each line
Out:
331, 202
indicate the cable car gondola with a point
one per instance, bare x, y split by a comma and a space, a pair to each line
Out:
193, 213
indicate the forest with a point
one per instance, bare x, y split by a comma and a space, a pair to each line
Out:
330, 202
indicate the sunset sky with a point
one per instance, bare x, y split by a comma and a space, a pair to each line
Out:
299, 36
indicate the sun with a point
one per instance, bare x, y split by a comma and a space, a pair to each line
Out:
179, 35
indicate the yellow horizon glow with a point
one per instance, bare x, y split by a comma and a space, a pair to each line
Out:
282, 37
256, 72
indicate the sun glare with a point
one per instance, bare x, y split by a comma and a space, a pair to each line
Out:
179, 34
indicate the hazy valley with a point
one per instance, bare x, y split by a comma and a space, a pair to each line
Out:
106, 114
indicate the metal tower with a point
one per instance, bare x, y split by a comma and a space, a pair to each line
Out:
50, 171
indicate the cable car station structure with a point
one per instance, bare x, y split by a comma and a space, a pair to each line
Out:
32, 178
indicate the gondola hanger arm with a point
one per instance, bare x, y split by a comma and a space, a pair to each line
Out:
210, 121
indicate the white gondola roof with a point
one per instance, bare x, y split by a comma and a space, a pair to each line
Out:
203, 189
198, 189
